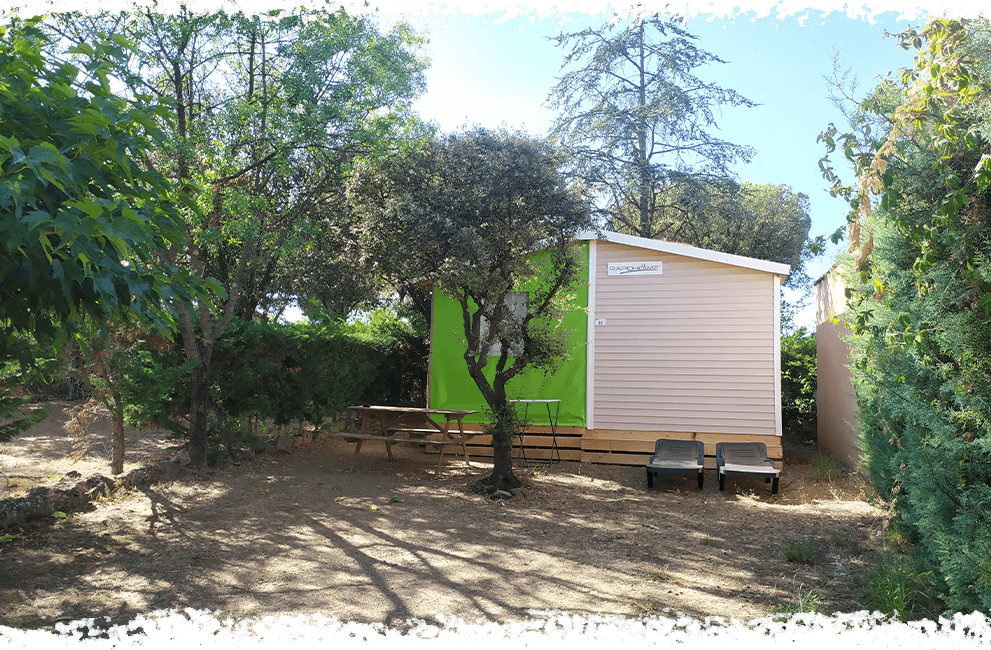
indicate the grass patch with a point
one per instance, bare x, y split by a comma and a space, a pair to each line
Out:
799, 551
645, 606
709, 541
893, 585
804, 601
825, 468
749, 494
897, 536
112, 498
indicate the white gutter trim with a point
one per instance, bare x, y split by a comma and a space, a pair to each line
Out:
688, 251
590, 341
430, 348
777, 355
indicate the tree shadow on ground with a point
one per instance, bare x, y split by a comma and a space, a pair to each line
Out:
393, 541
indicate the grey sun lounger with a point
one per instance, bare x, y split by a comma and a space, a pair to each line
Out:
676, 457
745, 459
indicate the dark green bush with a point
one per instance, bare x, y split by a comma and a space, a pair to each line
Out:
798, 384
304, 372
30, 370
228, 435
276, 372
401, 351
920, 301
291, 373
925, 414
922, 368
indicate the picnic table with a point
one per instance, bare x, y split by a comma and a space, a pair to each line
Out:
383, 424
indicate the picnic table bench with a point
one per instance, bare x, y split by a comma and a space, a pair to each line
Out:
413, 433
376, 426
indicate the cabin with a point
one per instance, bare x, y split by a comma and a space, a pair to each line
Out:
667, 341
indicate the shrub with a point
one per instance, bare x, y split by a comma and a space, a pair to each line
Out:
400, 350
920, 300
924, 413
228, 435
798, 384
290, 373
283, 373
12, 400
893, 585
30, 369
825, 468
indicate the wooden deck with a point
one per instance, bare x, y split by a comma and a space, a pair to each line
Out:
615, 447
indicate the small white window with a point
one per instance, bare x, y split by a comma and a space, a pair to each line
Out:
518, 304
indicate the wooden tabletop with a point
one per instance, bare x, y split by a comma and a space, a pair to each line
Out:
411, 409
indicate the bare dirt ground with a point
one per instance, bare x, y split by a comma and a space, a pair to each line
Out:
296, 533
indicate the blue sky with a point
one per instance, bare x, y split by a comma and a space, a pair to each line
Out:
489, 70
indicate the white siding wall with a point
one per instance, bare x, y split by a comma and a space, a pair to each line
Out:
691, 350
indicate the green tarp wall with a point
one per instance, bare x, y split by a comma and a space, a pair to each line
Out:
452, 388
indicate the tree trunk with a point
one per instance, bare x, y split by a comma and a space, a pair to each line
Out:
643, 161
199, 409
117, 445
502, 477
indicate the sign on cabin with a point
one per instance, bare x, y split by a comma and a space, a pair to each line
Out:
634, 268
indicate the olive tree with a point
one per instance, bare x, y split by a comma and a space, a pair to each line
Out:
484, 214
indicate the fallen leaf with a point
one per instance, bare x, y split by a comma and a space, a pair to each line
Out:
262, 491
58, 514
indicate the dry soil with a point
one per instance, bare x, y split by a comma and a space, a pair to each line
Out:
298, 533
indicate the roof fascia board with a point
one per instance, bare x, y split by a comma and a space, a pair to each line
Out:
688, 251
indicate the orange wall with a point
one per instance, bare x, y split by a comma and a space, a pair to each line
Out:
836, 402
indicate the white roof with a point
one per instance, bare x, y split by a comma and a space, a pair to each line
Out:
688, 251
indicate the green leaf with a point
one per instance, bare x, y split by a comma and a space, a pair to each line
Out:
83, 48
84, 124
44, 153
17, 155
58, 514
35, 218
8, 143
119, 245
89, 207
